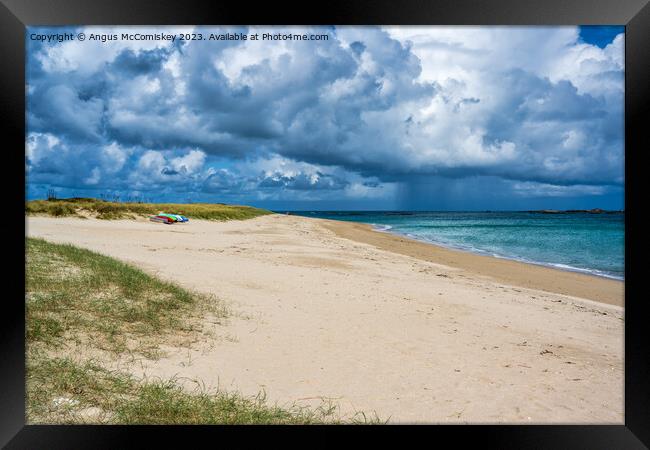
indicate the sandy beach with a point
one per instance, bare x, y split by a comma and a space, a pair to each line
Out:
377, 322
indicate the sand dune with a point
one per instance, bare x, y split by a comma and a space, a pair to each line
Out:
412, 332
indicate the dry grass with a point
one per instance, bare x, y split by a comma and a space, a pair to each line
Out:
80, 207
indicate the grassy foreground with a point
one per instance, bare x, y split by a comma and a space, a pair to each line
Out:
78, 299
61, 390
77, 295
80, 207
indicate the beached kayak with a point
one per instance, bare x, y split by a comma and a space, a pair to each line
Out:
175, 217
169, 216
161, 219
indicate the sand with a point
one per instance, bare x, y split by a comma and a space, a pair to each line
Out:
504, 270
378, 323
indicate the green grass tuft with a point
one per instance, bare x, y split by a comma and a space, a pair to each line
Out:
62, 391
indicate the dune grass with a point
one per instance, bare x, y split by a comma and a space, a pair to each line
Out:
80, 207
64, 391
73, 293
76, 300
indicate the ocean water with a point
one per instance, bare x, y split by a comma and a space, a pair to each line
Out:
591, 243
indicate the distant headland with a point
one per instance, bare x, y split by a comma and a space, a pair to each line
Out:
577, 211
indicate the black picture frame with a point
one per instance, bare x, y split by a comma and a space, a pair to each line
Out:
15, 15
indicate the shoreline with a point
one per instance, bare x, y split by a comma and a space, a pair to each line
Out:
519, 273
524, 274
479, 252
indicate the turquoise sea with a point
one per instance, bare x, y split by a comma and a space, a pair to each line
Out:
583, 242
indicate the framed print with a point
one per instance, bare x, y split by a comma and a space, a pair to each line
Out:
360, 214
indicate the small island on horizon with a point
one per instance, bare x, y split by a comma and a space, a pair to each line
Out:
578, 211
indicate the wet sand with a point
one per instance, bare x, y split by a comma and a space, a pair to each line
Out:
511, 272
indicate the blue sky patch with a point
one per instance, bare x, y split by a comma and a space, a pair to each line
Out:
600, 35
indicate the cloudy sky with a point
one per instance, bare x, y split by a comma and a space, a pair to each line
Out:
438, 118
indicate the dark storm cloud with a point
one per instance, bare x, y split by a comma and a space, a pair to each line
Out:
60, 110
132, 64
